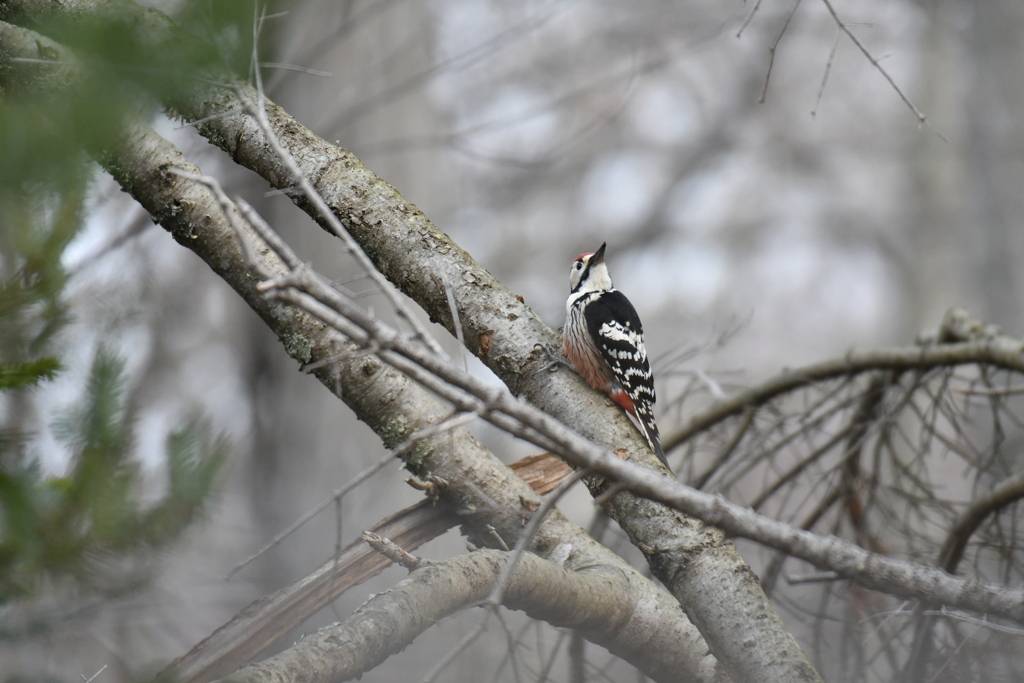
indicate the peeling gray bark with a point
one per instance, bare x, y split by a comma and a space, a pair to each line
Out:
481, 490
857, 568
721, 595
657, 638
695, 561
847, 560
698, 565
595, 602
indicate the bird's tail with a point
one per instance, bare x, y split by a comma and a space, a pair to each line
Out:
644, 418
650, 430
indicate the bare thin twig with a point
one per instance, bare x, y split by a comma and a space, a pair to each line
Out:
921, 118
296, 67
812, 577
134, 230
334, 498
824, 78
466, 641
774, 46
211, 117
259, 113
92, 678
871, 570
501, 585
452, 422
1009, 391
392, 551
228, 208
747, 20
1006, 493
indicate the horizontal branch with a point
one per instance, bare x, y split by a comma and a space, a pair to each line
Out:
897, 577
1001, 352
690, 558
259, 625
595, 602
512, 354
483, 492
263, 622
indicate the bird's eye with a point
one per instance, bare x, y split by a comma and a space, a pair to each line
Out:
579, 265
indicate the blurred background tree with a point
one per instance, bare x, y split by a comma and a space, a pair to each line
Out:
86, 523
530, 132
81, 521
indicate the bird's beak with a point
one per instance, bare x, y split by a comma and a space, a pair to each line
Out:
598, 256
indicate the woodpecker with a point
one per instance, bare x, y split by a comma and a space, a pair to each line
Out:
604, 341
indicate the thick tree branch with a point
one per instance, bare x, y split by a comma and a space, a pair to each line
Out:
540, 393
238, 641
482, 491
874, 571
260, 624
595, 602
696, 562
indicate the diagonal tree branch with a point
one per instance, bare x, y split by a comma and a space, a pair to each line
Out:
692, 540
918, 583
594, 602
308, 291
482, 492
239, 640
259, 625
696, 562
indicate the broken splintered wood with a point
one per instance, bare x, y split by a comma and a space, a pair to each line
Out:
391, 550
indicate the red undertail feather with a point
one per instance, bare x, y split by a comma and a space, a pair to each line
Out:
623, 399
